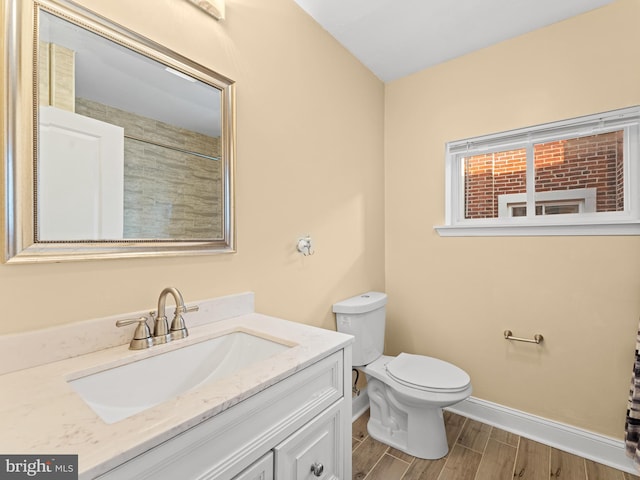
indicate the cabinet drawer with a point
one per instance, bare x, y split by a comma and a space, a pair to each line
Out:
261, 470
314, 452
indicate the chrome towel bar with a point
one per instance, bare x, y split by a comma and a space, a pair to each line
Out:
537, 338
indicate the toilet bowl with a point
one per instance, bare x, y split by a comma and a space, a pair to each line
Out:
406, 393
409, 416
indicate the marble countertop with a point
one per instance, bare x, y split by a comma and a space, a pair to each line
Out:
41, 414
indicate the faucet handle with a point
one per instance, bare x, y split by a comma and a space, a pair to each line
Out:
190, 308
142, 335
178, 328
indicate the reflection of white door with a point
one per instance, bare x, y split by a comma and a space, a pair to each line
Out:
80, 177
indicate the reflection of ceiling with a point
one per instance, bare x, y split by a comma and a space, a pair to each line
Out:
113, 75
394, 38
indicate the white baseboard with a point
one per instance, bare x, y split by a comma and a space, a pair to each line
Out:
360, 404
599, 448
596, 447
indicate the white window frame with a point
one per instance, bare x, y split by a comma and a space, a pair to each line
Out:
585, 198
625, 222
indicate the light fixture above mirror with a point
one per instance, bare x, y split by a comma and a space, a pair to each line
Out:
114, 145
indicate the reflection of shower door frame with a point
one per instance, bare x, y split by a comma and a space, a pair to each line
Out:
80, 177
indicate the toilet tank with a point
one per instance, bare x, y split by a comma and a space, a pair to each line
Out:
363, 316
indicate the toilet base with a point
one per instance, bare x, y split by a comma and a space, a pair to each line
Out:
416, 430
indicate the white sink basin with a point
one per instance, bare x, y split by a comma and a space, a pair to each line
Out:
120, 392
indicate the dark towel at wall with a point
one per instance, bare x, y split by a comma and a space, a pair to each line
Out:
632, 426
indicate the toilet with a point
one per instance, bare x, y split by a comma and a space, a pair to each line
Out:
406, 393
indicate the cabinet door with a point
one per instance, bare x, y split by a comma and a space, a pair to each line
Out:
260, 470
313, 452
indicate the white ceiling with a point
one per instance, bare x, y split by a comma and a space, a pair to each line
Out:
395, 38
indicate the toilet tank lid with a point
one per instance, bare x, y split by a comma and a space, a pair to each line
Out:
364, 303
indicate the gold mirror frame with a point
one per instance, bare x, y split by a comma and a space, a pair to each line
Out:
19, 122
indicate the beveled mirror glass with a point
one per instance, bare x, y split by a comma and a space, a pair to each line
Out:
114, 145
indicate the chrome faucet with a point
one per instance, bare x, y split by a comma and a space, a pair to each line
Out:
161, 332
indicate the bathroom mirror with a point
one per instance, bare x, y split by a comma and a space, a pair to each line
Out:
114, 146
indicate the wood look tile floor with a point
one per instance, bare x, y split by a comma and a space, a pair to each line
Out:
476, 452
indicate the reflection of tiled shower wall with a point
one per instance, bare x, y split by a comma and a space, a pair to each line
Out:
56, 73
167, 194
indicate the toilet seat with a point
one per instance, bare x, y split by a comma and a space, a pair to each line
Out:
427, 373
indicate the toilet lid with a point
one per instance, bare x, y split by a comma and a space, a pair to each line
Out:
426, 373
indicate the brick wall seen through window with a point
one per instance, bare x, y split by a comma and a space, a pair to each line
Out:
594, 161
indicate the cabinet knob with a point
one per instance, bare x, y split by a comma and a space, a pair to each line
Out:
317, 469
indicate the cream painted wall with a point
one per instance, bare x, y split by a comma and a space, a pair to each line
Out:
309, 160
453, 297
311, 125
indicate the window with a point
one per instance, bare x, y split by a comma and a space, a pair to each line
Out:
574, 177
553, 202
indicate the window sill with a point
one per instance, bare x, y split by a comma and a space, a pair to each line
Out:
539, 230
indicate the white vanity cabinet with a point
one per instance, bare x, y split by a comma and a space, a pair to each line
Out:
261, 470
298, 428
314, 451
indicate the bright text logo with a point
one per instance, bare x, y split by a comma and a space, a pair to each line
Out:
49, 467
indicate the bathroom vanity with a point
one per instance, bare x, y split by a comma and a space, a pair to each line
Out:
286, 416
282, 432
